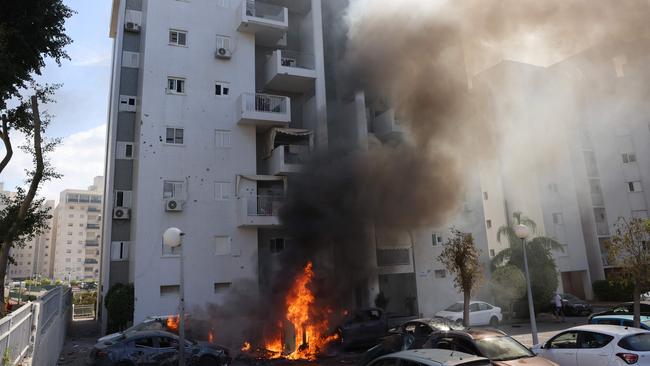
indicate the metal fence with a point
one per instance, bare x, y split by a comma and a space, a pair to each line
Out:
16, 333
265, 103
83, 311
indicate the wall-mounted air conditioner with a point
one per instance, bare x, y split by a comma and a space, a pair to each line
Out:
174, 205
121, 213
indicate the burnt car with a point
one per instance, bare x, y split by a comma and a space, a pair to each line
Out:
156, 348
194, 328
363, 327
626, 308
573, 305
497, 346
413, 334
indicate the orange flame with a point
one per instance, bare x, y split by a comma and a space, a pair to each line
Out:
274, 347
172, 323
246, 347
210, 336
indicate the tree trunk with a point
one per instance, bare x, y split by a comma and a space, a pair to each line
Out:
9, 152
26, 204
637, 305
466, 299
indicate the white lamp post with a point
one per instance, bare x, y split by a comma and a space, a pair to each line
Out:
173, 237
523, 232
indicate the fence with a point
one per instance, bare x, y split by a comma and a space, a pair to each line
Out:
16, 334
83, 311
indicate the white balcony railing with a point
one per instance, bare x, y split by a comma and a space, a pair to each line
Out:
265, 109
296, 59
287, 159
267, 21
264, 205
262, 10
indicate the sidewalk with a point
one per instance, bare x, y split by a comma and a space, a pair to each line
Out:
547, 326
82, 336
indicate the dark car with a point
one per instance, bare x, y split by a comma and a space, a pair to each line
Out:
626, 308
501, 349
410, 335
363, 327
573, 305
156, 348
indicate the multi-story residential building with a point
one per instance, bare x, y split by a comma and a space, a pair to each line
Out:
78, 232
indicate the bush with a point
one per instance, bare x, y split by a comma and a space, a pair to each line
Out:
613, 290
119, 306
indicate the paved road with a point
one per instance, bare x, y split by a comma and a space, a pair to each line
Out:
546, 328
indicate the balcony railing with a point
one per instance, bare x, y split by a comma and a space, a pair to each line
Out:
93, 209
264, 205
262, 10
92, 226
90, 261
255, 102
92, 243
296, 59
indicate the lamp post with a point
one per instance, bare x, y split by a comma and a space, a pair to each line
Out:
523, 232
173, 237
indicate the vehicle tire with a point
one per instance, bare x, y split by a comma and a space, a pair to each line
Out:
207, 361
494, 322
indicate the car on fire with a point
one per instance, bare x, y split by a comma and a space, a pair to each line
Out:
480, 313
156, 348
363, 327
159, 322
430, 357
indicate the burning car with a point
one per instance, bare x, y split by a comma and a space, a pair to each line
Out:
363, 327
169, 323
155, 348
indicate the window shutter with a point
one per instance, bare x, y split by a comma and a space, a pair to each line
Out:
130, 59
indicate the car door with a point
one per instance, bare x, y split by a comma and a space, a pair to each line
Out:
375, 327
594, 349
562, 349
143, 351
421, 334
486, 312
474, 314
167, 351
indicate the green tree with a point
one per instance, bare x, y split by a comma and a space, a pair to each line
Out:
461, 258
628, 250
119, 305
507, 285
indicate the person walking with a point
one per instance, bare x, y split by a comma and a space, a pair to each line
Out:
558, 308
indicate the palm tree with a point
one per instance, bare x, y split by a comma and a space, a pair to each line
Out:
508, 232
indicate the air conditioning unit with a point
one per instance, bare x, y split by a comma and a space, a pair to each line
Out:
223, 53
174, 205
132, 26
121, 213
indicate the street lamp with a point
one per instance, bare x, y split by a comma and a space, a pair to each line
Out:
523, 232
173, 237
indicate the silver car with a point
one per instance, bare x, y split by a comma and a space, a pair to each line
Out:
430, 357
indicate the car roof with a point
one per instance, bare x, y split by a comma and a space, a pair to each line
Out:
478, 333
151, 333
613, 330
435, 322
439, 356
621, 316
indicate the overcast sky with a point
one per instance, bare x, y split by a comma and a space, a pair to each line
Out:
80, 113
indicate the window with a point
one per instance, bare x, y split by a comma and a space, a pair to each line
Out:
127, 103
165, 342
565, 340
558, 218
220, 287
67, 260
640, 214
276, 245
123, 199
146, 342
119, 251
175, 85
130, 59
222, 191
70, 216
440, 273
634, 186
473, 307
169, 290
70, 224
628, 158
223, 245
485, 196
436, 239
222, 138
69, 233
492, 253
393, 257
221, 89
69, 241
488, 223
638, 342
173, 189
177, 37
81, 225
174, 135
593, 340
124, 150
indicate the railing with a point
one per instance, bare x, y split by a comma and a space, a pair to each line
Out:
83, 311
296, 59
16, 333
94, 209
92, 226
265, 11
255, 102
90, 261
265, 205
92, 243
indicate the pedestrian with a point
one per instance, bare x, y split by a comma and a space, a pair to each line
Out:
558, 307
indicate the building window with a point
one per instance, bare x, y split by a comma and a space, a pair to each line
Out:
123, 199
488, 223
124, 150
222, 191
222, 138
485, 196
440, 273
69, 241
173, 189
223, 245
69, 233
175, 85
221, 89
276, 245
640, 214
70, 224
558, 218
629, 158
492, 253
387, 257
70, 216
174, 135
634, 186
436, 239
177, 37
127, 104
67, 260
169, 290
119, 251
221, 287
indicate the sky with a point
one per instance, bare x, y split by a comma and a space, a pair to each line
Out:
80, 113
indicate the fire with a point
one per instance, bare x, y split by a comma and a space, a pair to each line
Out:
211, 336
274, 347
172, 322
246, 347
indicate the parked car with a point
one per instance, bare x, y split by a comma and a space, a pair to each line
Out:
622, 320
596, 345
430, 357
156, 348
363, 327
480, 313
410, 335
493, 344
573, 305
194, 328
626, 308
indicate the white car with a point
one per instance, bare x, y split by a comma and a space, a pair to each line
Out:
598, 345
480, 313
430, 357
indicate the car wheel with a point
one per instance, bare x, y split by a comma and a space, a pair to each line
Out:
208, 361
494, 322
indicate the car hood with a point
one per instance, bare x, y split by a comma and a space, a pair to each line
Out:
109, 337
449, 314
529, 361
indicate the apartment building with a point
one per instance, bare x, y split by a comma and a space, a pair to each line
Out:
214, 104
77, 233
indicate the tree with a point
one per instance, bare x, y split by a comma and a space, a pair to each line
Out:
461, 258
508, 285
628, 250
119, 305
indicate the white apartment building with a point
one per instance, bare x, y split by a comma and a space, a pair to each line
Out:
77, 232
213, 105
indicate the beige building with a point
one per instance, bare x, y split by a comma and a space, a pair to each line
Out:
77, 233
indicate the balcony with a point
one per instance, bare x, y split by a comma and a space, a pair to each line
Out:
263, 110
93, 209
92, 243
386, 126
290, 71
92, 226
268, 22
287, 159
90, 261
259, 211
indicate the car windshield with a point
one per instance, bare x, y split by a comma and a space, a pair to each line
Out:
571, 297
502, 349
455, 307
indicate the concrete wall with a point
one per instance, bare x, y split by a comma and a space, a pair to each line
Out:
54, 317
